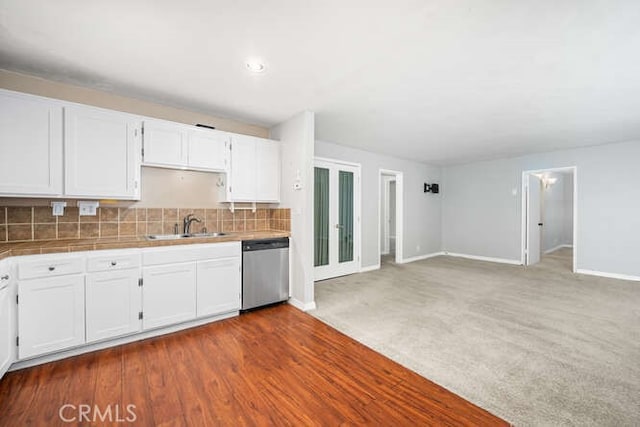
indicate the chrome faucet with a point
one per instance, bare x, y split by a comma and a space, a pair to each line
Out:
187, 222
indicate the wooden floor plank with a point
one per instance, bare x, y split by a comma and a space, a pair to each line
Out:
276, 366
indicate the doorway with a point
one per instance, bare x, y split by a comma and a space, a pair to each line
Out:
390, 216
336, 218
549, 215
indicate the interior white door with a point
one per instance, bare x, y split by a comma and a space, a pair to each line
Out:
336, 220
534, 221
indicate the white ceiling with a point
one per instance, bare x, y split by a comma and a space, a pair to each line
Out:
437, 81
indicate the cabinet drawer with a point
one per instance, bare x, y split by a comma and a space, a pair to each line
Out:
113, 261
193, 252
50, 266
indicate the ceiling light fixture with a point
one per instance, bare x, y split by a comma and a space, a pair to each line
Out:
255, 66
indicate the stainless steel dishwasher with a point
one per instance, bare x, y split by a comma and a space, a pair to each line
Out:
265, 272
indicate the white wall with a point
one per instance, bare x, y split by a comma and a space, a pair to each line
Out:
482, 217
422, 211
297, 138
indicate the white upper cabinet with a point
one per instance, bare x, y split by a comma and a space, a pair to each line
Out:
165, 144
30, 145
208, 150
255, 170
242, 183
174, 145
102, 153
268, 170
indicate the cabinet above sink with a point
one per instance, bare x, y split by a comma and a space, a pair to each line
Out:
177, 146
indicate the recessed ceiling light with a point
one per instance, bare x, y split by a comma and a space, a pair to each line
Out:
255, 66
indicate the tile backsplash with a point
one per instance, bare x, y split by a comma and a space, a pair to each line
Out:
27, 223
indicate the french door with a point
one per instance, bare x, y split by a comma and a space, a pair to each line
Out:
336, 219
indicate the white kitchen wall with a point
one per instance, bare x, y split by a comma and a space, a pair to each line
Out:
481, 215
422, 211
297, 138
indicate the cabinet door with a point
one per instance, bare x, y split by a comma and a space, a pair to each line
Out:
208, 150
113, 304
218, 286
102, 158
267, 171
168, 294
165, 144
50, 314
30, 145
7, 333
242, 186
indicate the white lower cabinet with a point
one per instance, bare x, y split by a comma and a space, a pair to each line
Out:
7, 325
50, 314
114, 304
169, 294
66, 301
219, 286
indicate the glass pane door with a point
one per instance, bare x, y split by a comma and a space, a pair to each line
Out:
335, 219
345, 216
321, 217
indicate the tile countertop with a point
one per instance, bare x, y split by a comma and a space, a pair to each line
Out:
76, 245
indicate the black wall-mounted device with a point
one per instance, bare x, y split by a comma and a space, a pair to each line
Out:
200, 125
433, 188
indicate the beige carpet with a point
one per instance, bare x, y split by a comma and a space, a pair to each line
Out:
535, 346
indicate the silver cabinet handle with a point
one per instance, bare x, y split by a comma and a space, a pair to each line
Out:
4, 278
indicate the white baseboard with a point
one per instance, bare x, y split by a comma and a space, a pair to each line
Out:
420, 257
301, 305
609, 275
548, 251
485, 258
369, 268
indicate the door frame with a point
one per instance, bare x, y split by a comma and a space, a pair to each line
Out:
399, 212
357, 205
524, 239
386, 233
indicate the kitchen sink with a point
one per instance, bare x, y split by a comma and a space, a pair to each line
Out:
183, 236
207, 234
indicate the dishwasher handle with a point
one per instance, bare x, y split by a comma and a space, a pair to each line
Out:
264, 244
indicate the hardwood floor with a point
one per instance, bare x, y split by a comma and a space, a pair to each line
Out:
276, 366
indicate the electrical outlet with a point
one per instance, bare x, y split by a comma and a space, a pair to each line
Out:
87, 208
